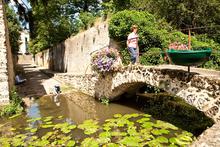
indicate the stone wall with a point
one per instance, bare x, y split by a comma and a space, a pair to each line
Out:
83, 83
73, 55
6, 61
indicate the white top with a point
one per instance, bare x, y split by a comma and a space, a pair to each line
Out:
132, 40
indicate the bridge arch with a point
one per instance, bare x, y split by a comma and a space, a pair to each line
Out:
195, 89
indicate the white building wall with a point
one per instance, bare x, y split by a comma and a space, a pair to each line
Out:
25, 37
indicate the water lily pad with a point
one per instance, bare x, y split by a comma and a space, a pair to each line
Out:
33, 119
12, 129
174, 140
89, 142
146, 115
49, 122
5, 142
60, 117
112, 145
147, 125
14, 116
28, 128
18, 142
47, 126
154, 143
117, 134
71, 143
165, 125
48, 134
117, 115
49, 118
160, 132
89, 126
127, 116
33, 130
130, 141
122, 122
162, 139
132, 131
142, 120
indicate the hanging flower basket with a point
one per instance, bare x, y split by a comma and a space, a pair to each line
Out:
105, 60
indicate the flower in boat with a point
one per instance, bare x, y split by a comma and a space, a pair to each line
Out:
178, 46
103, 60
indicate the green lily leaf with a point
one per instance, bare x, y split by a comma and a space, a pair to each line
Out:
154, 143
12, 129
89, 126
28, 128
117, 134
89, 142
143, 120
162, 139
49, 118
16, 115
47, 126
112, 145
33, 130
130, 141
34, 119
132, 131
147, 125
60, 117
117, 115
165, 125
160, 132
71, 143
146, 115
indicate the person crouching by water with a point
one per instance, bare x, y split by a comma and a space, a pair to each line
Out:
132, 43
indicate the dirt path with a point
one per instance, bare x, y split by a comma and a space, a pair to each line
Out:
37, 85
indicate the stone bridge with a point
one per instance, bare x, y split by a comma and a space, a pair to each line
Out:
199, 88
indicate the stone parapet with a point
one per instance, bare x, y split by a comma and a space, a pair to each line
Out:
83, 83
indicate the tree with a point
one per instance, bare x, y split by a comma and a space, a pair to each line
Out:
14, 28
56, 20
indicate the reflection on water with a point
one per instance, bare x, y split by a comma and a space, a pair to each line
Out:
76, 106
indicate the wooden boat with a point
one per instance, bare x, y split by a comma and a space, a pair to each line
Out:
189, 57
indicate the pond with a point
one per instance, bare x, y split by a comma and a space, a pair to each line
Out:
78, 120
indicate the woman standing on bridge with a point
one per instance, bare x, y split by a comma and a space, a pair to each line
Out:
132, 43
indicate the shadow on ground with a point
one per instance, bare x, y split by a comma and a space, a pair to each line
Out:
33, 87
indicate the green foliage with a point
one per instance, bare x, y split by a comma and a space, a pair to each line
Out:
56, 20
152, 57
87, 20
123, 132
15, 105
13, 28
154, 36
104, 100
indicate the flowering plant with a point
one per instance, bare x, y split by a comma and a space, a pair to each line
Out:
178, 46
104, 59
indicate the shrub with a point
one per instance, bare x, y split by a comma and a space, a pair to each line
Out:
154, 33
152, 57
15, 105
86, 19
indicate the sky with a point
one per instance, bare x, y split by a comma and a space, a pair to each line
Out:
26, 4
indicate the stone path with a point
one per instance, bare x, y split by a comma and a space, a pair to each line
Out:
37, 84
201, 71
